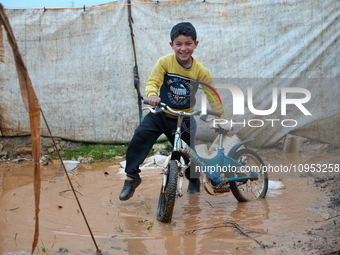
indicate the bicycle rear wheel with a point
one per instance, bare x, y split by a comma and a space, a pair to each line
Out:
166, 202
247, 190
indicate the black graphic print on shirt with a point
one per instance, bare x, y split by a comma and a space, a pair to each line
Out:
178, 92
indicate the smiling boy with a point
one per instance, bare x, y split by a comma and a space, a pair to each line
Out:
174, 81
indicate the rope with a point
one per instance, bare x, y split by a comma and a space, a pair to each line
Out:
92, 7
69, 180
135, 69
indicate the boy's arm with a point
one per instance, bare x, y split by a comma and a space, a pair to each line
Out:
155, 80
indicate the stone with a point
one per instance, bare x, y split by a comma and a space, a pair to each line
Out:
87, 160
62, 250
50, 150
45, 160
46, 142
18, 160
24, 151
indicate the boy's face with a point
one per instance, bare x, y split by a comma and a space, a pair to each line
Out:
184, 46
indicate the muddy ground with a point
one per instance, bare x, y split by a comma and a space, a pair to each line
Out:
302, 218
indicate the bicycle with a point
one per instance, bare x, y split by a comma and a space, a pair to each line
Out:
241, 171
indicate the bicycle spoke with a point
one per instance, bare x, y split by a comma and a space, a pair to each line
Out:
250, 189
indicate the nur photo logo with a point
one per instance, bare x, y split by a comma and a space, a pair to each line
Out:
238, 100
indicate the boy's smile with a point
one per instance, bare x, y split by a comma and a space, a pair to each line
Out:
184, 47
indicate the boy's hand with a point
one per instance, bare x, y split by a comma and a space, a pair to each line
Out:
154, 100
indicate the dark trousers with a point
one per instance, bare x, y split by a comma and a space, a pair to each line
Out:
152, 126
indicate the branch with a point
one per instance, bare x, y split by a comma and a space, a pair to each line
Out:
230, 224
9, 210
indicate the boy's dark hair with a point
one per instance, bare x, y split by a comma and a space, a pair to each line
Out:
183, 28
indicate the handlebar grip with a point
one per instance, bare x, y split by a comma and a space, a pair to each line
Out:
146, 101
214, 113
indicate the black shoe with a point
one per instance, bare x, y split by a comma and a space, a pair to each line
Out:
194, 186
129, 188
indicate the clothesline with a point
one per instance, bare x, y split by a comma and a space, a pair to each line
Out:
95, 6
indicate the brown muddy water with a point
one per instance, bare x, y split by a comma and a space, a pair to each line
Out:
131, 227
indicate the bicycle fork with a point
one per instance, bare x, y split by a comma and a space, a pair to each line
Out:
181, 167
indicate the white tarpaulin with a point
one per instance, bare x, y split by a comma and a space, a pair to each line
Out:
81, 65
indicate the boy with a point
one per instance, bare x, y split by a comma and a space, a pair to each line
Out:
172, 81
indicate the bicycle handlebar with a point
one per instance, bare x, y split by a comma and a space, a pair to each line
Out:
214, 113
195, 112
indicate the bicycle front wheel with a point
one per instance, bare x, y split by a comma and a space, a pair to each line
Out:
167, 198
249, 189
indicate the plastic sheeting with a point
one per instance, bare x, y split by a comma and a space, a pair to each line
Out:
81, 65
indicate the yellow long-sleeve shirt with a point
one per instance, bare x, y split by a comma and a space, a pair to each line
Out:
177, 85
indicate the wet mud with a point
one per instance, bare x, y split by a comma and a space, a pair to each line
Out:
283, 218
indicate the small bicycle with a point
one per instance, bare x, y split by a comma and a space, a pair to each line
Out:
241, 171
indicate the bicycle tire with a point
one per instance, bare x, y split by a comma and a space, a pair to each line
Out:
249, 189
166, 202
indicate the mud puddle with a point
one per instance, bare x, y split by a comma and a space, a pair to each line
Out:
131, 227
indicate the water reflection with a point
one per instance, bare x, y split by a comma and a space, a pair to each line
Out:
278, 213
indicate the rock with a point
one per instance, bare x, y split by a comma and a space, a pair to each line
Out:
18, 160
24, 151
1, 146
46, 142
50, 150
87, 160
3, 154
62, 250
319, 180
45, 160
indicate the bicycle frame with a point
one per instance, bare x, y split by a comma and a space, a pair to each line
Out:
212, 167
215, 181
